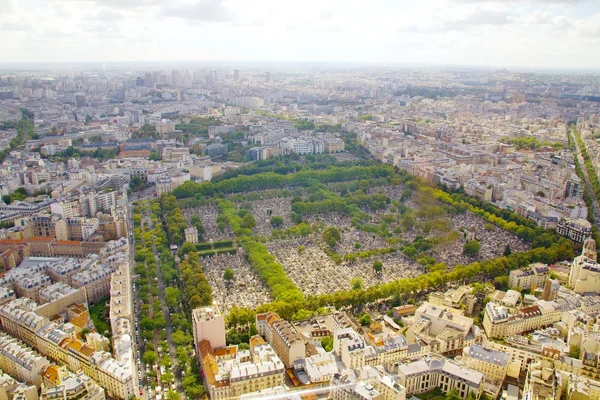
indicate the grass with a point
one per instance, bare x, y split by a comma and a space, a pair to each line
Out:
435, 394
99, 315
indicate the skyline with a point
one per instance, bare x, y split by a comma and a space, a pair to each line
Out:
531, 34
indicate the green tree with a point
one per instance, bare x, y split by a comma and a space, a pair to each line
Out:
331, 236
149, 357
378, 266
365, 320
228, 274
84, 333
453, 395
172, 297
154, 156
327, 343
357, 283
471, 248
186, 247
501, 282
575, 352
172, 395
248, 221
507, 251
276, 222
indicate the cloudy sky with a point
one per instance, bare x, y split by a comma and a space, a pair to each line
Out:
512, 33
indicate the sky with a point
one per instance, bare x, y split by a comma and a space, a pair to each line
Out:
558, 34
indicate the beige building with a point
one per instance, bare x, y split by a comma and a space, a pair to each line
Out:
533, 277
444, 331
439, 372
230, 373
18, 318
280, 334
584, 276
209, 324
61, 384
367, 383
493, 364
11, 389
20, 361
191, 234
498, 322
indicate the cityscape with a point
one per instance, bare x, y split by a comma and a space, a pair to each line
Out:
380, 224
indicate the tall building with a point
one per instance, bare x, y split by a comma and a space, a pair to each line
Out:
79, 99
209, 324
584, 276
267, 76
236, 75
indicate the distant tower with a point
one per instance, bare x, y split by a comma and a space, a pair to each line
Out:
589, 249
236, 75
267, 76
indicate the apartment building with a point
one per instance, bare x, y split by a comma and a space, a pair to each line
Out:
577, 230
95, 280
366, 383
10, 388
349, 346
20, 361
498, 322
493, 364
56, 342
280, 334
532, 277
584, 276
439, 372
444, 331
60, 384
208, 324
230, 373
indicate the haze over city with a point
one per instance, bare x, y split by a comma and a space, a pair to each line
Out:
556, 34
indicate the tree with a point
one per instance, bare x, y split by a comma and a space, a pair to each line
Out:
172, 297
575, 352
471, 248
365, 320
186, 247
149, 357
248, 221
84, 333
453, 395
357, 283
327, 343
408, 221
507, 251
378, 266
154, 156
228, 274
172, 395
147, 323
331, 236
276, 222
501, 282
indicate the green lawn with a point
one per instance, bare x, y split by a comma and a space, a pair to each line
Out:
99, 315
435, 394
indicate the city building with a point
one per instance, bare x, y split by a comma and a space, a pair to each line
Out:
208, 324
533, 277
439, 372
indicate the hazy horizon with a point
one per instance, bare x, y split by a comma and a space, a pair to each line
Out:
554, 35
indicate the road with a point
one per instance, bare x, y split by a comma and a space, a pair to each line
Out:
595, 205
